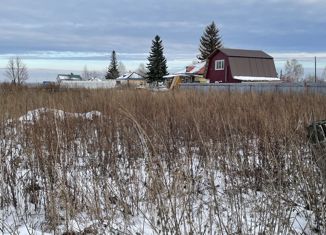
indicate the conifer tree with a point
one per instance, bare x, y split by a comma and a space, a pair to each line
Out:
209, 41
113, 71
157, 67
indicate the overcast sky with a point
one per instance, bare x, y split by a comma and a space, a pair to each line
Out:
96, 27
127, 26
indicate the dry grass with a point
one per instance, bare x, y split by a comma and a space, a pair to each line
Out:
186, 162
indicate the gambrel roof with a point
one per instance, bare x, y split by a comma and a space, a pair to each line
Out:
246, 64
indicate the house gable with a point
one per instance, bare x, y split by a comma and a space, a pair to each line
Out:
219, 75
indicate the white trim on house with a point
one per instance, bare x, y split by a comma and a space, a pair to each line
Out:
219, 64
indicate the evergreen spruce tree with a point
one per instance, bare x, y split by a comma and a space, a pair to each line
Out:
157, 67
209, 42
113, 71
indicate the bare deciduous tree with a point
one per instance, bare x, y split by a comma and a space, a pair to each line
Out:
293, 71
90, 74
16, 71
312, 78
142, 70
323, 75
122, 68
86, 73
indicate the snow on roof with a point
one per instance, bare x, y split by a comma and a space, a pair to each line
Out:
176, 74
63, 77
198, 68
170, 76
131, 76
247, 78
71, 76
95, 79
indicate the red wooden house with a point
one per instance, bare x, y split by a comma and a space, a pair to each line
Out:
235, 65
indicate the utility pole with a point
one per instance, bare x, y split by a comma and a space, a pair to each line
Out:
315, 69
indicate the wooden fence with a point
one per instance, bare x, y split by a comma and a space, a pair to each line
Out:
258, 87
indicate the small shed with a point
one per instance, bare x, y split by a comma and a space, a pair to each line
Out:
238, 65
131, 79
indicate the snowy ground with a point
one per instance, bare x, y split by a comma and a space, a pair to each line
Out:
75, 172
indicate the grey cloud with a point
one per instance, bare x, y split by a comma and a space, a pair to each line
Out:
129, 26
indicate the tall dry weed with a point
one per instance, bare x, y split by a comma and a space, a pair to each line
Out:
185, 162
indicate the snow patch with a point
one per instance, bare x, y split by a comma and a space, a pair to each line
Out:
35, 115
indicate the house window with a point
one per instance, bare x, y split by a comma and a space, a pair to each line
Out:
219, 64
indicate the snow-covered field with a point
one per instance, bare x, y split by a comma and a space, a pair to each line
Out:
86, 173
